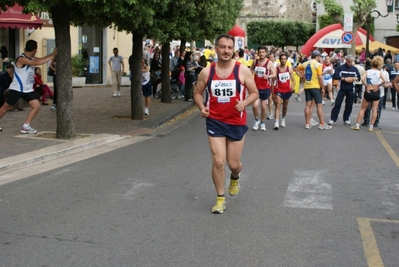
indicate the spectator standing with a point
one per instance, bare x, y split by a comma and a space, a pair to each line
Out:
347, 74
5, 81
52, 66
392, 76
359, 84
146, 84
155, 72
190, 67
312, 72
117, 68
388, 65
372, 80
182, 81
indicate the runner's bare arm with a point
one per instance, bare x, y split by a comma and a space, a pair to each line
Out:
395, 83
247, 79
199, 89
272, 70
293, 83
36, 61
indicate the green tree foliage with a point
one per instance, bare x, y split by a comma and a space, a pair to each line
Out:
279, 33
325, 20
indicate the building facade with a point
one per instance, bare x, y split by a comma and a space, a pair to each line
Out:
302, 10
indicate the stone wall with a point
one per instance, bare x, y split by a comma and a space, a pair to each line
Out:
276, 9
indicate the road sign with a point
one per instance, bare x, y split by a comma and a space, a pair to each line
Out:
347, 37
348, 22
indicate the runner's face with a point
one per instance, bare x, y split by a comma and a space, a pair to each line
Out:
272, 58
283, 60
225, 49
262, 54
327, 61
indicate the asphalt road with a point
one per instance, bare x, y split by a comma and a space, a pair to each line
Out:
308, 198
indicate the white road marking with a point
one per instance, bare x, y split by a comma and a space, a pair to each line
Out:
308, 190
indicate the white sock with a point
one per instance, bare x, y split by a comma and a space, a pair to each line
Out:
25, 125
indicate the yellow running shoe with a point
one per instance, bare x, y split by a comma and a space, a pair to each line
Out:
234, 187
220, 205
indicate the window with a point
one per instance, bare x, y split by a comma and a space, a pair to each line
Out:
313, 6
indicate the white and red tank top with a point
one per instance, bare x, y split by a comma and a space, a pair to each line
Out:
223, 96
283, 80
24, 77
260, 72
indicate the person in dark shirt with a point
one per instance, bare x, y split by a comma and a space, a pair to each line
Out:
5, 81
347, 74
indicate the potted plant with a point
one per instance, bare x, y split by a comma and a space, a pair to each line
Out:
79, 65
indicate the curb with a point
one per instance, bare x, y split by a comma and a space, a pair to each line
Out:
161, 119
56, 151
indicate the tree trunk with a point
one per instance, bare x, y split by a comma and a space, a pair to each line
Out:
165, 98
352, 49
61, 19
135, 85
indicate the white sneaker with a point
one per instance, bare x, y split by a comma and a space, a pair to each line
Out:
283, 123
114, 95
313, 122
393, 108
263, 126
323, 102
271, 117
347, 123
325, 127
256, 125
356, 127
118, 93
27, 130
146, 112
331, 122
299, 99
307, 126
276, 125
332, 103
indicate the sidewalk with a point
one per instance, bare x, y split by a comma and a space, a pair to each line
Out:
97, 114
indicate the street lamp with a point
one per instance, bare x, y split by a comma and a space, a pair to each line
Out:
397, 13
368, 20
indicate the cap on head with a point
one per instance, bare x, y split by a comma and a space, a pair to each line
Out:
315, 53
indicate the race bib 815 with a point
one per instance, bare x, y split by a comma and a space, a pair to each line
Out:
223, 90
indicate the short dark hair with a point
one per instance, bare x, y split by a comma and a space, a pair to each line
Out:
115, 48
30, 45
262, 47
240, 52
9, 65
283, 54
224, 36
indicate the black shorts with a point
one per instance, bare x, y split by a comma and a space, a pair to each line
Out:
264, 94
147, 89
313, 93
284, 96
14, 96
372, 96
216, 128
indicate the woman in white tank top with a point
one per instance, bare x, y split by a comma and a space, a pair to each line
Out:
372, 80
